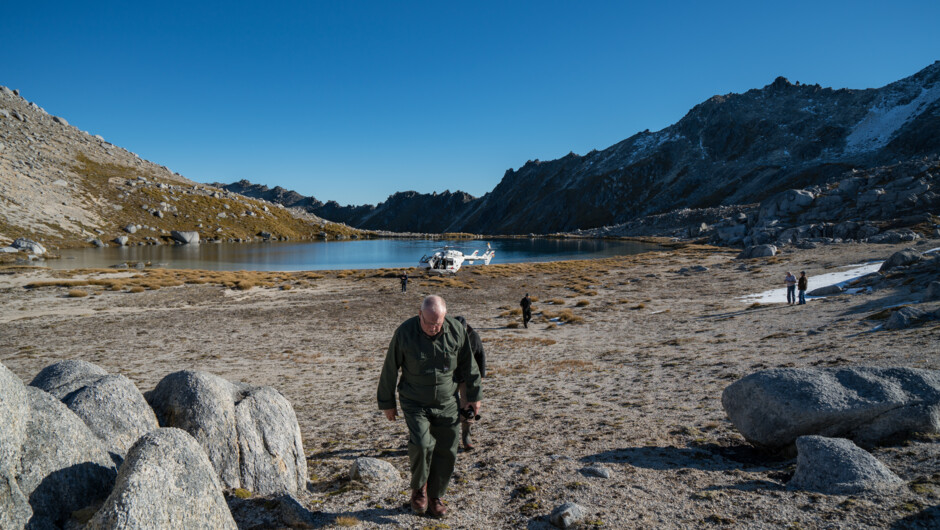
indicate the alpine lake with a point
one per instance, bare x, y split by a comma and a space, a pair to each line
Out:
337, 255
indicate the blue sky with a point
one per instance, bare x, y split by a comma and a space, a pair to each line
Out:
355, 100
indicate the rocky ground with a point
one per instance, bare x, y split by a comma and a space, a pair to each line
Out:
633, 383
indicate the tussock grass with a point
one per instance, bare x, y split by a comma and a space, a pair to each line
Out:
153, 279
565, 315
346, 521
582, 303
572, 365
77, 293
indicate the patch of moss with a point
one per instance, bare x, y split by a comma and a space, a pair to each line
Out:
242, 493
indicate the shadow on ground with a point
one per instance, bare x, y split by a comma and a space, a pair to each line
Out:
710, 457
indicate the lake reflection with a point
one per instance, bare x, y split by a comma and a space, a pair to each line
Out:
358, 254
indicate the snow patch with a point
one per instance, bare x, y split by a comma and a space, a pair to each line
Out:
841, 278
883, 120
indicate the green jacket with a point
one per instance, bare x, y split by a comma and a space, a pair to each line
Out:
427, 365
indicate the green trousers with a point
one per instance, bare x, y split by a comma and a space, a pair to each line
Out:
433, 434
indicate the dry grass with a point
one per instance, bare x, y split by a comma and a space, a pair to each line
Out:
77, 293
154, 279
572, 365
346, 521
582, 303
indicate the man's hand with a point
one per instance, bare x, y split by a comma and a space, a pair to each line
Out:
475, 405
391, 413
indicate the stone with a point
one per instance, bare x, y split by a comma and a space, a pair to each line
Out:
785, 204
201, 404
836, 466
166, 482
892, 237
14, 408
271, 511
28, 245
568, 515
60, 121
375, 473
98, 243
271, 452
64, 466
827, 290
250, 434
727, 234
758, 251
905, 317
901, 258
772, 408
64, 377
933, 292
110, 405
596, 471
121, 240
185, 238
130, 229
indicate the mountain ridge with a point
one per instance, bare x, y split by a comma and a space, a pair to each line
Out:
730, 149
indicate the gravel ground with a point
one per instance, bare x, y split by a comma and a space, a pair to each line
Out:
634, 387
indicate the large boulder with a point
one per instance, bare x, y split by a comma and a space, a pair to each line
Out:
568, 515
906, 317
827, 290
166, 482
758, 251
185, 238
110, 405
772, 408
14, 407
64, 377
271, 451
201, 404
836, 466
64, 467
250, 434
28, 245
901, 258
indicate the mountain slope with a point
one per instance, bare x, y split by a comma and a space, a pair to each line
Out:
64, 187
729, 150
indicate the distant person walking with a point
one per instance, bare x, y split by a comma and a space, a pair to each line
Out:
526, 304
801, 285
790, 280
479, 356
404, 282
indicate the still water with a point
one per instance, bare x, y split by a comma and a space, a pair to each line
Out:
359, 254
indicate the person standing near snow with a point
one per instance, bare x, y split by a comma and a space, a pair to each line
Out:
790, 280
801, 286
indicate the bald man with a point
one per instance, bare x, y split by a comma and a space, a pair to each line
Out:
428, 349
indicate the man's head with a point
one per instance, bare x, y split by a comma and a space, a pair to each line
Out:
802, 273
431, 315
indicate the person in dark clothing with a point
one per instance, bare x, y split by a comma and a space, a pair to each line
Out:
526, 304
426, 350
476, 346
404, 282
801, 284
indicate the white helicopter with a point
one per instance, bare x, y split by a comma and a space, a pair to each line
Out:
448, 260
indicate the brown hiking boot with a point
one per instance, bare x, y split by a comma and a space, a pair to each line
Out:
419, 499
437, 508
465, 435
